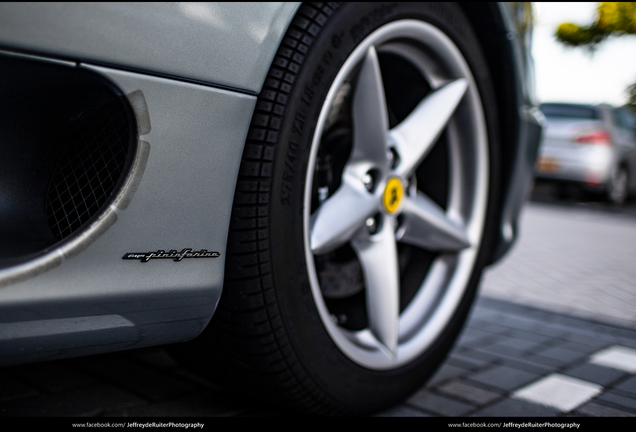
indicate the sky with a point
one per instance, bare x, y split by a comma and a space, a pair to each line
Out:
572, 74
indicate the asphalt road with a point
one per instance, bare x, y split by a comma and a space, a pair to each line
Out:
552, 334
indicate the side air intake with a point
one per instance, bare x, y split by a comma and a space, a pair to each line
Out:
67, 139
89, 169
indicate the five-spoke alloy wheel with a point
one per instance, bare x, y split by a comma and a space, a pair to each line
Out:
376, 205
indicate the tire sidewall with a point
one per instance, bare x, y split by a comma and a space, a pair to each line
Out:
615, 176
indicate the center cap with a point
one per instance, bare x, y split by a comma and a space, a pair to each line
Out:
393, 193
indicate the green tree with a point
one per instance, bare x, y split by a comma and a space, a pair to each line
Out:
612, 19
632, 96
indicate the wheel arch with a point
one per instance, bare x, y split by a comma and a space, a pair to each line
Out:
507, 57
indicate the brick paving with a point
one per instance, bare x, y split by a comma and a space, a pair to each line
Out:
487, 387
553, 334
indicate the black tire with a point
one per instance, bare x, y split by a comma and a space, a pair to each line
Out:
618, 186
268, 336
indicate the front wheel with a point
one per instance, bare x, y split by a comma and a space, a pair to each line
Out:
364, 210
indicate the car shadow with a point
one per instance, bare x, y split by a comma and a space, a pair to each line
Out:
569, 196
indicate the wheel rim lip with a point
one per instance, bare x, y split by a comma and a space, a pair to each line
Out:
414, 337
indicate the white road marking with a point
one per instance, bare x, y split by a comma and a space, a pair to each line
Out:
559, 391
617, 357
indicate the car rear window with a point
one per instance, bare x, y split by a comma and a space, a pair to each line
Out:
570, 111
624, 119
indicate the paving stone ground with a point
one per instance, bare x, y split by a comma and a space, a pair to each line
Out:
576, 258
553, 334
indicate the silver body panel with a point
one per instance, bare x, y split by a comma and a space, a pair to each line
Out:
226, 44
575, 164
183, 200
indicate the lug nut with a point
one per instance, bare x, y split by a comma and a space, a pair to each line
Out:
368, 181
411, 189
373, 224
393, 157
323, 193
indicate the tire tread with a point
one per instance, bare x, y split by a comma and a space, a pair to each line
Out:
250, 341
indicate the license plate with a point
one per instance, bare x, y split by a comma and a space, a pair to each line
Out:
547, 165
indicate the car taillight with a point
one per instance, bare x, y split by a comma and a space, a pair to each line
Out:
592, 178
597, 137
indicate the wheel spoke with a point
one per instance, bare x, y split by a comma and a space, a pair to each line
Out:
417, 133
378, 256
338, 218
428, 226
370, 118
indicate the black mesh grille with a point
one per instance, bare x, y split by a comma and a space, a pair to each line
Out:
89, 169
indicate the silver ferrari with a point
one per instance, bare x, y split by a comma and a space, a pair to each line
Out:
307, 193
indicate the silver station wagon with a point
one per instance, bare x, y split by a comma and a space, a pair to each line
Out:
592, 146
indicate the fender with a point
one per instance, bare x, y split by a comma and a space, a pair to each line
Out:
176, 40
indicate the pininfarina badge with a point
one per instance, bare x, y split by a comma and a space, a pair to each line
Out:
173, 254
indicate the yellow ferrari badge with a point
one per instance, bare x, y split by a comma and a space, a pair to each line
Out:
393, 193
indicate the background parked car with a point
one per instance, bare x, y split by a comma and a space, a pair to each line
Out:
593, 146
